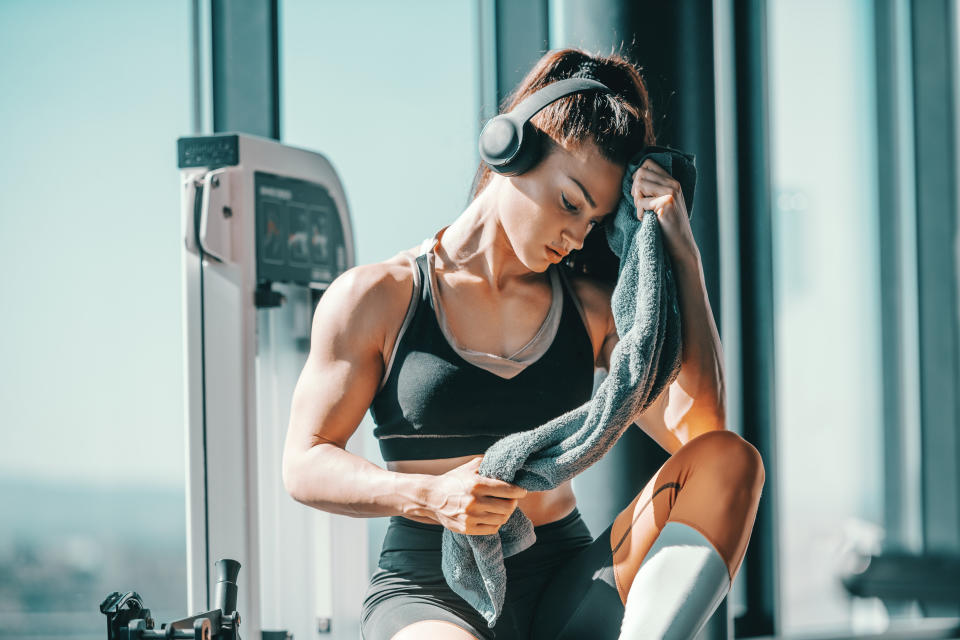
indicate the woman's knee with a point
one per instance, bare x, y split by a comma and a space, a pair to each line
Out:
730, 454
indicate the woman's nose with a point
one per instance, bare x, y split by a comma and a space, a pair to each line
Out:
574, 238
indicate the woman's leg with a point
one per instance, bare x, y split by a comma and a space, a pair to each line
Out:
407, 595
438, 629
711, 485
396, 608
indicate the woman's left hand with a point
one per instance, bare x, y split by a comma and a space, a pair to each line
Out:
656, 190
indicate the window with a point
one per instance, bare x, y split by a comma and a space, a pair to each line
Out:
830, 423
92, 465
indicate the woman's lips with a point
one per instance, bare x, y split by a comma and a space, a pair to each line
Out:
555, 256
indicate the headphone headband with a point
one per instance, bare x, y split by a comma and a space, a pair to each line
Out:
533, 103
509, 144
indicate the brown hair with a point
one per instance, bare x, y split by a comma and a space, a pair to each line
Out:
619, 124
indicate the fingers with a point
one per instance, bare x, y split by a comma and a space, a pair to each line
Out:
649, 182
500, 506
501, 489
651, 165
477, 520
651, 203
484, 529
497, 488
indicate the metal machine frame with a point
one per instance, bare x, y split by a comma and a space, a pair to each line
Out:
245, 342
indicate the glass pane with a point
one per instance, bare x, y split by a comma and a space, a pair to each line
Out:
91, 467
389, 92
829, 429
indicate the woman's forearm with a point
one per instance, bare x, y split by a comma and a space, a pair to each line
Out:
701, 371
332, 479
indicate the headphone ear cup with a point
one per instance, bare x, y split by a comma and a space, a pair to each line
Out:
499, 142
527, 154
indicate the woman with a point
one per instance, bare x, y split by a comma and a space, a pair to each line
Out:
496, 325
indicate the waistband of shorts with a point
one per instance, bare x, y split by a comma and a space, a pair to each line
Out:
566, 520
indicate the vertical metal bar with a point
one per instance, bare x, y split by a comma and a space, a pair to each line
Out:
195, 80
488, 103
758, 388
201, 116
889, 264
911, 526
898, 339
595, 25
893, 147
486, 20
522, 37
934, 127
728, 241
692, 74
245, 61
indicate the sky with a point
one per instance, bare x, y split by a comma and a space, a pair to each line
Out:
91, 383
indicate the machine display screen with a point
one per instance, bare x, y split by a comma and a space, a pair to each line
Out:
299, 234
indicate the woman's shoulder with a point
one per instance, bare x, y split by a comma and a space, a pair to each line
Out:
369, 301
383, 287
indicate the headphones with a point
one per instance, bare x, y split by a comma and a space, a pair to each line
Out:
509, 144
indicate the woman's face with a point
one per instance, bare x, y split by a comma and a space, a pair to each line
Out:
548, 211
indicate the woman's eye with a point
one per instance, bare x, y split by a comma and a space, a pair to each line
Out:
567, 205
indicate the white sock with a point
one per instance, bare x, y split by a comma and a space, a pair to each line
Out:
679, 585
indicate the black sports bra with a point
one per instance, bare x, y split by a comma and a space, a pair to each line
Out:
435, 403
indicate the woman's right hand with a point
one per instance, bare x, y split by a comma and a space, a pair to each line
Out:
465, 502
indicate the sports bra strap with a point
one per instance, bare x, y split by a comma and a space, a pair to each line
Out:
411, 308
426, 245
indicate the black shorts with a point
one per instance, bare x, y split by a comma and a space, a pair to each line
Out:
560, 588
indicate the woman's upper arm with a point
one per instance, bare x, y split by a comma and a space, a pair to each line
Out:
345, 364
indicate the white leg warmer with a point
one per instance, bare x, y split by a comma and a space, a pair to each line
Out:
679, 585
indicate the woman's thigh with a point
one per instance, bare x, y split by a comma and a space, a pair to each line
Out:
408, 588
405, 600
439, 629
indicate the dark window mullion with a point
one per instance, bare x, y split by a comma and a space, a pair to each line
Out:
758, 389
936, 206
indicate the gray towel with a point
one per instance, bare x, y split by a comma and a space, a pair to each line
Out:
644, 362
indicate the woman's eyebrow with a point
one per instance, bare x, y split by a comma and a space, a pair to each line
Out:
586, 194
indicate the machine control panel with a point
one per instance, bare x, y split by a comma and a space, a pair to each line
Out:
299, 232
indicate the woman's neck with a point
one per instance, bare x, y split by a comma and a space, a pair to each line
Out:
476, 243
